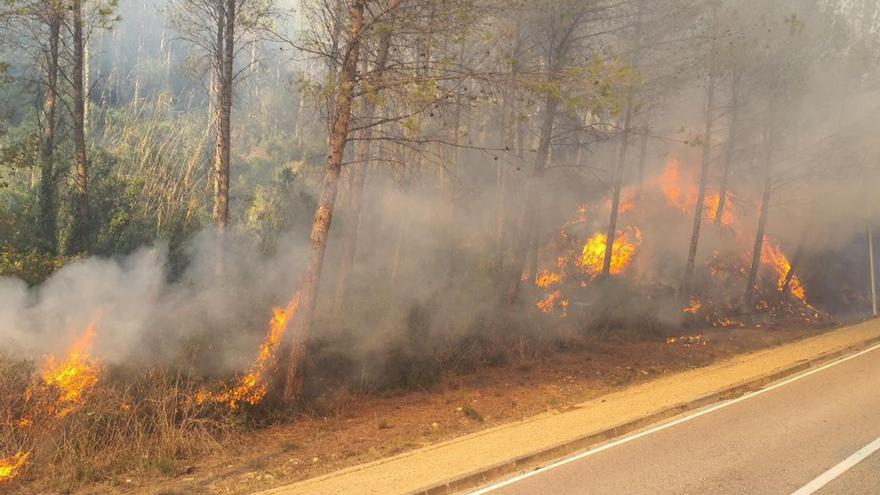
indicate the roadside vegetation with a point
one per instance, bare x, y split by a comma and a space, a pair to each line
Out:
222, 220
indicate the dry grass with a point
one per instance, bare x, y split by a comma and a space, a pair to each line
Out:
142, 423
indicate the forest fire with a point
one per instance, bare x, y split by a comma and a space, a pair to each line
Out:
682, 195
669, 182
679, 192
693, 306
773, 255
547, 278
713, 203
552, 301
686, 340
252, 387
74, 376
622, 254
11, 466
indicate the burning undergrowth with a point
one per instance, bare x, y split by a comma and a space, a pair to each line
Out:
643, 287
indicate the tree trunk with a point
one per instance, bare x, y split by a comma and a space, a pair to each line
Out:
728, 151
323, 215
532, 200
643, 156
82, 234
704, 177
359, 173
48, 212
624, 148
226, 46
502, 180
762, 217
501, 193
615, 193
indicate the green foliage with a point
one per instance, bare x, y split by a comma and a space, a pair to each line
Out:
281, 207
32, 266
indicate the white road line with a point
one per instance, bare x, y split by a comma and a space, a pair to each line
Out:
664, 426
839, 469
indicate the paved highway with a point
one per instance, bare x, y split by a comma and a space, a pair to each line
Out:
818, 432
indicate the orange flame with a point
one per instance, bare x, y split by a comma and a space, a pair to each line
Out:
622, 254
10, 466
693, 306
550, 302
74, 376
251, 388
713, 201
685, 199
773, 255
548, 278
686, 340
669, 183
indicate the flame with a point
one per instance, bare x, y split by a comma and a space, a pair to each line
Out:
550, 302
626, 205
75, 375
622, 254
10, 466
685, 199
773, 255
693, 306
548, 278
669, 182
713, 201
686, 340
252, 387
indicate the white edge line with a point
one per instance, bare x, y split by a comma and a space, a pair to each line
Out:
839, 469
664, 426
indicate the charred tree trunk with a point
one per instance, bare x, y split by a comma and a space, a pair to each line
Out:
704, 177
82, 235
48, 210
338, 138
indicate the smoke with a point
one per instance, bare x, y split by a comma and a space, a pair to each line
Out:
144, 318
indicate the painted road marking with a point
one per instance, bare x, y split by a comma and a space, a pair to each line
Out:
662, 427
839, 469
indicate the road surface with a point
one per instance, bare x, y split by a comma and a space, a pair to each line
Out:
814, 433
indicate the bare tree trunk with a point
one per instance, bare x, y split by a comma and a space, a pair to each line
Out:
502, 186
226, 43
728, 151
298, 127
82, 234
762, 216
643, 156
311, 277
501, 194
704, 176
618, 185
48, 212
359, 172
624, 148
532, 200
87, 104
452, 193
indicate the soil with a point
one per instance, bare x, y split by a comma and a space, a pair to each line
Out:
364, 429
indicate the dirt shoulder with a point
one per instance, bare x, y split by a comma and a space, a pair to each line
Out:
403, 443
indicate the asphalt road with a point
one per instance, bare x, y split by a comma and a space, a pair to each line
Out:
776, 442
